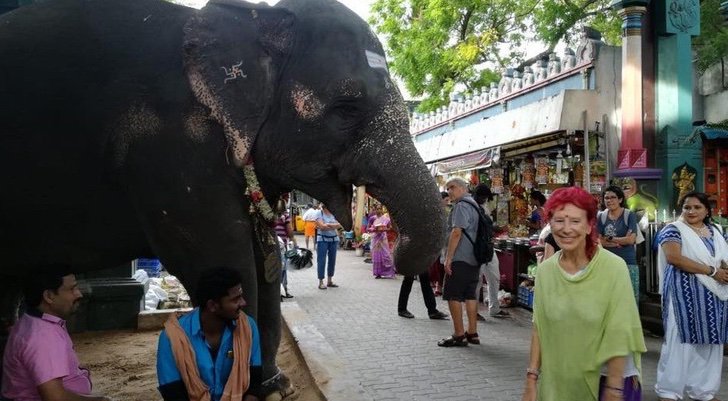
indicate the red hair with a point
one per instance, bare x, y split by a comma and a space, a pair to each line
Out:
581, 199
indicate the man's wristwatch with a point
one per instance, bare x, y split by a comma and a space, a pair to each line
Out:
713, 271
610, 238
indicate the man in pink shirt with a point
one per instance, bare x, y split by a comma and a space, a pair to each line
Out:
39, 362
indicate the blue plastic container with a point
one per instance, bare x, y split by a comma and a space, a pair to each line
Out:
153, 267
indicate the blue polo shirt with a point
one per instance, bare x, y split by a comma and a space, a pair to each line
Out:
213, 372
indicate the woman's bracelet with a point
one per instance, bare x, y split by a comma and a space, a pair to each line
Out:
713, 271
533, 372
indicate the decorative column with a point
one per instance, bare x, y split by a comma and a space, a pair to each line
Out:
676, 22
631, 154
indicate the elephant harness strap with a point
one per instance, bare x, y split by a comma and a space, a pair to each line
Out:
184, 356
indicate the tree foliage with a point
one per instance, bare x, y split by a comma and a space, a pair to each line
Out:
712, 44
435, 45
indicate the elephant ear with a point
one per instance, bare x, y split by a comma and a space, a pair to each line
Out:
234, 53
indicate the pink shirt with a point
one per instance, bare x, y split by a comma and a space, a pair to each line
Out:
39, 349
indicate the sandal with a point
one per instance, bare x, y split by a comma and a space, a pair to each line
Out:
453, 341
472, 338
322, 286
332, 285
287, 295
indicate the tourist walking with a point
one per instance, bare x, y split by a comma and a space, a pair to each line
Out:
284, 231
587, 338
491, 270
327, 243
309, 224
437, 269
382, 264
694, 288
617, 228
461, 266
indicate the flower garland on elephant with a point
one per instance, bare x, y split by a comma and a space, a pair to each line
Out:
263, 216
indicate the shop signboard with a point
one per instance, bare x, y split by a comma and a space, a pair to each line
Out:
472, 161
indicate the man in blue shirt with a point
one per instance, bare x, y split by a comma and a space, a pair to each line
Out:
214, 330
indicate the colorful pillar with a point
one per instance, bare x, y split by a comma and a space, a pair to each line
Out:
631, 154
676, 22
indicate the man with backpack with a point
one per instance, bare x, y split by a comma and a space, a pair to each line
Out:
461, 264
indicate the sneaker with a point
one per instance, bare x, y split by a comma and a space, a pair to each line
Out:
406, 313
501, 313
437, 315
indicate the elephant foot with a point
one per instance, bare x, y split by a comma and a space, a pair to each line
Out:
277, 387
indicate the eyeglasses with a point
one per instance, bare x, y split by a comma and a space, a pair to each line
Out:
610, 197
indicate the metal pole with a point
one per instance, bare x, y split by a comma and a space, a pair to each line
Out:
587, 155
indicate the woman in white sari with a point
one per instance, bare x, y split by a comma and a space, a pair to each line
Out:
694, 287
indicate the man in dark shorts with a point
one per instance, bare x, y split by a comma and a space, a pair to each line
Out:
461, 267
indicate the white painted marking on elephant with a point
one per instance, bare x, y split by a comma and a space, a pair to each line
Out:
139, 121
189, 190
164, 212
147, 17
376, 60
307, 105
236, 139
234, 72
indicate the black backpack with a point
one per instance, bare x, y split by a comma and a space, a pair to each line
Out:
483, 244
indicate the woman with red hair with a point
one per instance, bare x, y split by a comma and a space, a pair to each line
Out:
587, 336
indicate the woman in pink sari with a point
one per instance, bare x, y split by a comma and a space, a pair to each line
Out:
381, 253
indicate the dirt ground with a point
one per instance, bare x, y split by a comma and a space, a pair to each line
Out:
123, 365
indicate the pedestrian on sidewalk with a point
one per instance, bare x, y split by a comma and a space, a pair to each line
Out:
327, 243
427, 294
437, 269
284, 231
382, 264
617, 228
461, 266
694, 290
309, 224
587, 336
491, 270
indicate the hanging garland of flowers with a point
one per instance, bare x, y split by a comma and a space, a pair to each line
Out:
258, 204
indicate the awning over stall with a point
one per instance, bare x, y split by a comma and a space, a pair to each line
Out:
711, 132
471, 161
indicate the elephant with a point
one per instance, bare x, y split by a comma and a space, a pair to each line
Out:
126, 128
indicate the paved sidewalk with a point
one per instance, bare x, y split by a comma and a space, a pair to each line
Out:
398, 359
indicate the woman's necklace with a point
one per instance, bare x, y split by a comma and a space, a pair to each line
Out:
703, 231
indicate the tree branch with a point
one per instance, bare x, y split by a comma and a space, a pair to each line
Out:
466, 21
543, 54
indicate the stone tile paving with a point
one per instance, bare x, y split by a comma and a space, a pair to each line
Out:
398, 359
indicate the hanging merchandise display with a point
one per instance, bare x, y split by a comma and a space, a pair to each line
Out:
529, 174
542, 169
496, 180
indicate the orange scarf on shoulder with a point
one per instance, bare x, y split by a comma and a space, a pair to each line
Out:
185, 359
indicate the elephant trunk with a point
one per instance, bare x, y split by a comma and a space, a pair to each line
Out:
386, 161
415, 207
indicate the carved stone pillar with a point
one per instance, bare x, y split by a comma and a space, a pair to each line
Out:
632, 154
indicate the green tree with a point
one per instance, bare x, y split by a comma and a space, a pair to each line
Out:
435, 45
712, 44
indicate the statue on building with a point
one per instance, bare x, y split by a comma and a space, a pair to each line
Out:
554, 65
540, 70
484, 95
569, 60
504, 86
591, 41
517, 83
493, 94
461, 106
445, 113
476, 98
468, 102
452, 107
528, 77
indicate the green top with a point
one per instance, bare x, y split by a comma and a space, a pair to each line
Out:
582, 322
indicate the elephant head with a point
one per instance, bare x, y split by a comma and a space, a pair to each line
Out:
311, 103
